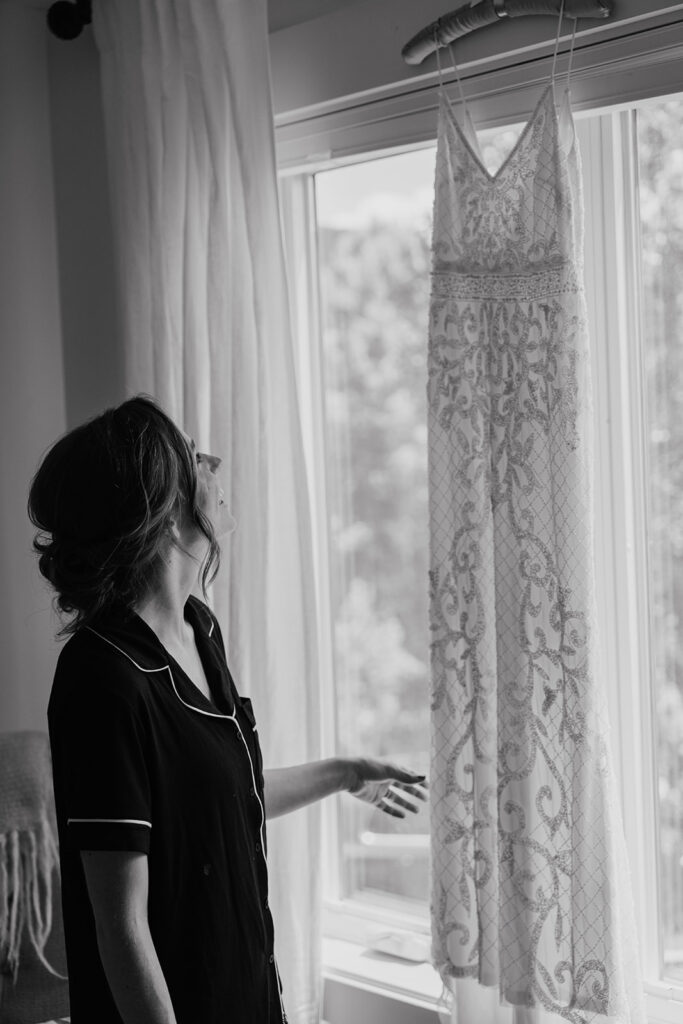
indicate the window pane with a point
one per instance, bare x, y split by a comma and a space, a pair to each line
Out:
660, 131
373, 238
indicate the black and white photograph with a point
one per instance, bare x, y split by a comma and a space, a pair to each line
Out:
341, 419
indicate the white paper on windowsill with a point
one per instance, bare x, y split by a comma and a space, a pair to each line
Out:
401, 979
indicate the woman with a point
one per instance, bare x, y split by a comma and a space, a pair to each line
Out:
159, 788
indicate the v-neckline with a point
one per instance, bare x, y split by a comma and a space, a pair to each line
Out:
197, 641
221, 696
192, 620
493, 178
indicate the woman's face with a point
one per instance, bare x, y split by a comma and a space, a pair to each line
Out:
210, 496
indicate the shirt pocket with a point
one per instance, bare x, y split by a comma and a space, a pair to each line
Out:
248, 710
253, 741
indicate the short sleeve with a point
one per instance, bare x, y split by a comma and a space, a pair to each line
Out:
100, 771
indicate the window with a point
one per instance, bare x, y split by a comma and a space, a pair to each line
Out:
373, 240
373, 226
363, 336
660, 163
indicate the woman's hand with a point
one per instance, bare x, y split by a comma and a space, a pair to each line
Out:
385, 785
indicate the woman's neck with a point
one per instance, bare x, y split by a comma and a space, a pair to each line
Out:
163, 607
167, 620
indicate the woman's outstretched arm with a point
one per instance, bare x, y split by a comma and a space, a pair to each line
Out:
377, 782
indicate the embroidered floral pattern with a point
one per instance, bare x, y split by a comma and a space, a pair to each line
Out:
530, 881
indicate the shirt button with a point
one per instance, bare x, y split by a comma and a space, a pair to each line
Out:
271, 958
251, 791
206, 869
258, 847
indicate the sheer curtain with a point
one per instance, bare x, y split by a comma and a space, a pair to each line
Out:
188, 118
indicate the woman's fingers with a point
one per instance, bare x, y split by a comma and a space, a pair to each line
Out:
412, 782
418, 789
389, 809
399, 801
396, 797
405, 775
391, 788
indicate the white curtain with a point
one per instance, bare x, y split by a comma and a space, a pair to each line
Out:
188, 119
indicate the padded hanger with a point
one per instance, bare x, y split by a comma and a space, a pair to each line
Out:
485, 12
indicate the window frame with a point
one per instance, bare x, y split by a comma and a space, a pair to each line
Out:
343, 918
618, 61
607, 139
613, 290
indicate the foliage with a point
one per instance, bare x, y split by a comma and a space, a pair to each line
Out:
375, 287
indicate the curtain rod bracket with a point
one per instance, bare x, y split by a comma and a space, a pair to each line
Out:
66, 20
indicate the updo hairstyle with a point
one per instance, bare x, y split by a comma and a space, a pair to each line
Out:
102, 500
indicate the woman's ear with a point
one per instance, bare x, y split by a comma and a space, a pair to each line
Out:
175, 517
172, 524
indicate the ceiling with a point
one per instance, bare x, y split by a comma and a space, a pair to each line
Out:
283, 13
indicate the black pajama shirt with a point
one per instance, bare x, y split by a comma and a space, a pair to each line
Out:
143, 761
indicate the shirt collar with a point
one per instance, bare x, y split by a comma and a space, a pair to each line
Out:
130, 632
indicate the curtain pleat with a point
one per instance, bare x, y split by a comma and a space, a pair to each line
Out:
188, 118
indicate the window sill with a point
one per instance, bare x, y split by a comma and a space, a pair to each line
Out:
418, 985
349, 963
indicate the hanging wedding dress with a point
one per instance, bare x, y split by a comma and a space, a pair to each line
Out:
530, 884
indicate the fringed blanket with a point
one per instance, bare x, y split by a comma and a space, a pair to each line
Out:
28, 847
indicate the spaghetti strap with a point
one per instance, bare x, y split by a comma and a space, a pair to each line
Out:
442, 87
571, 57
563, 108
557, 44
459, 80
467, 123
571, 51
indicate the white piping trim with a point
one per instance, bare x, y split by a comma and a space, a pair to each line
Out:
209, 714
127, 655
279, 991
253, 779
233, 718
200, 711
204, 610
117, 821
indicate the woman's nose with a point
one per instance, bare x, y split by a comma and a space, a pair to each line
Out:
214, 462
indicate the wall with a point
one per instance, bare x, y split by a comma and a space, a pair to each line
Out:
59, 358
93, 371
32, 406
